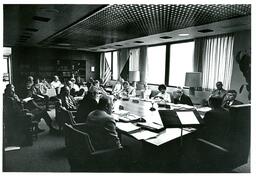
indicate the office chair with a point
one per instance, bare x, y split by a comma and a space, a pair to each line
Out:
83, 157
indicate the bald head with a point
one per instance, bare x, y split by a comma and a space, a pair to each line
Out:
105, 104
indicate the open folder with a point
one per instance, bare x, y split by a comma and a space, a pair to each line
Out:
178, 118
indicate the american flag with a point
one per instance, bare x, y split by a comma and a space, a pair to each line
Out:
106, 72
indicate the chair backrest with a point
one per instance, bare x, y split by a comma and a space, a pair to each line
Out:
64, 116
240, 132
78, 147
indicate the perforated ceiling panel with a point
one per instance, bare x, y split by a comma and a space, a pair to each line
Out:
122, 22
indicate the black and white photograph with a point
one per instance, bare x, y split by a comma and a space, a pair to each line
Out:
127, 87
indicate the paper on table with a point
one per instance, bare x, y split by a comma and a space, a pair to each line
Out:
187, 117
121, 112
144, 134
127, 127
11, 148
166, 136
204, 109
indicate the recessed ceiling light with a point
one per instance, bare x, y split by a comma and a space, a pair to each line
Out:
165, 37
138, 42
183, 34
42, 19
49, 10
64, 44
31, 29
205, 31
118, 45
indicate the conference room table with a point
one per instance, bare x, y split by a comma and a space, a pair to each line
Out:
155, 151
130, 113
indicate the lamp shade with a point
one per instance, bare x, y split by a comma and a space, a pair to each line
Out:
193, 79
134, 76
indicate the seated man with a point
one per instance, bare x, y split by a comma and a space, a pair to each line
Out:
182, 98
99, 88
35, 113
127, 90
163, 95
56, 84
230, 99
216, 123
40, 91
145, 92
105, 135
87, 105
117, 87
67, 100
219, 91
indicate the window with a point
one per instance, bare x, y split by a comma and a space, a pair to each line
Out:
156, 64
115, 67
181, 61
109, 59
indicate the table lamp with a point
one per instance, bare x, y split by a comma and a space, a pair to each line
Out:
134, 76
193, 80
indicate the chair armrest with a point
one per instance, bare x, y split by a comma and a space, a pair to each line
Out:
106, 151
213, 145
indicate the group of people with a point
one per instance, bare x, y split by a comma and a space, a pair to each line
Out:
95, 108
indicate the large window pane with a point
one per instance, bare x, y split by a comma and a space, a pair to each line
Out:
181, 61
108, 57
115, 66
156, 64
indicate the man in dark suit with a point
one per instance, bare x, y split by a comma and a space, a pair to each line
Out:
182, 98
104, 134
219, 91
230, 99
87, 105
216, 123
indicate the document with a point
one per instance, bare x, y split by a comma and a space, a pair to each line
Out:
127, 127
144, 134
27, 99
51, 92
166, 136
187, 117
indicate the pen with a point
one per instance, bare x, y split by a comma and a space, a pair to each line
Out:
156, 123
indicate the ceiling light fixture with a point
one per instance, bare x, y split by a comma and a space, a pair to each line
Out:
138, 42
183, 34
165, 37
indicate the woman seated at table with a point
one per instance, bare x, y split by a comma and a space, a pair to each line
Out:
68, 100
127, 90
163, 95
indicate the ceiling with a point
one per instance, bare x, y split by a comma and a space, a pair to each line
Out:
110, 27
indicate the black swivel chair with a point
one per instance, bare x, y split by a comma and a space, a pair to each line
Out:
83, 157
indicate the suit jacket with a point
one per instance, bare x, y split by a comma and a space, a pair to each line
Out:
184, 99
216, 127
103, 134
86, 106
235, 102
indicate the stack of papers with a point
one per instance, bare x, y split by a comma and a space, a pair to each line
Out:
127, 127
144, 134
121, 112
27, 99
204, 109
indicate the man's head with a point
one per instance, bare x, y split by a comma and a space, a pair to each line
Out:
215, 102
70, 84
92, 92
231, 95
65, 91
30, 79
105, 104
10, 89
96, 83
219, 85
179, 92
162, 88
73, 80
55, 78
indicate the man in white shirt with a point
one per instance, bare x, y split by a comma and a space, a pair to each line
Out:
56, 84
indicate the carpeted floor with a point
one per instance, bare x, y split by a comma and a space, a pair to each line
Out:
47, 154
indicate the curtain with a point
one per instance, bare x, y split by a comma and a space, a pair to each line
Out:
217, 63
134, 59
143, 64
